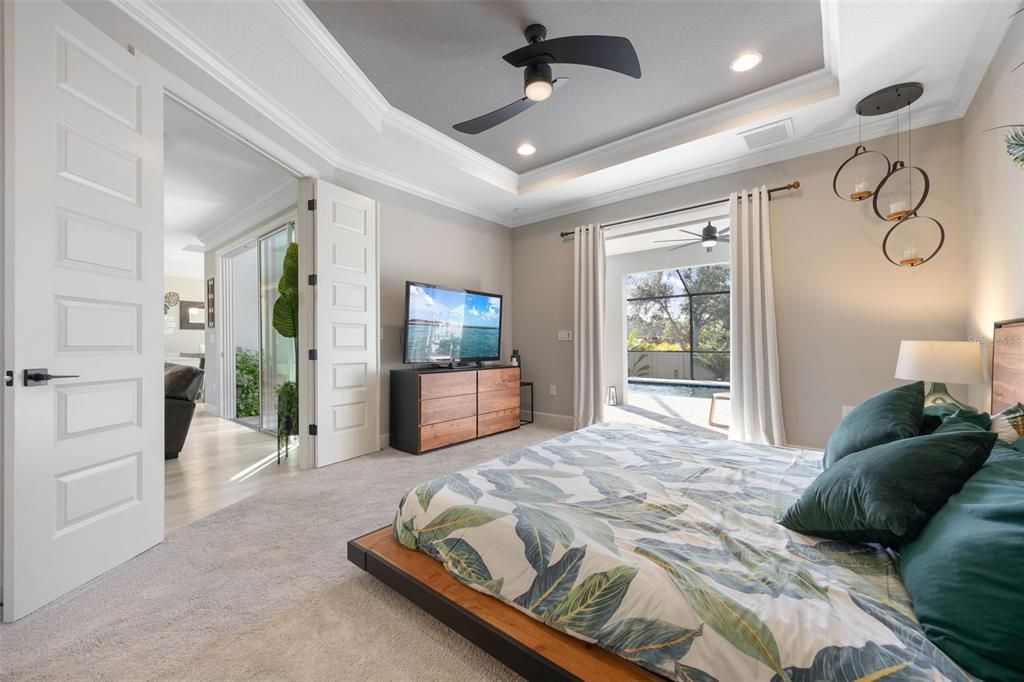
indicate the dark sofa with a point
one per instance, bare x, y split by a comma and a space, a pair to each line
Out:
181, 387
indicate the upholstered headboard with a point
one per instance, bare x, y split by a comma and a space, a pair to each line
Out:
1007, 364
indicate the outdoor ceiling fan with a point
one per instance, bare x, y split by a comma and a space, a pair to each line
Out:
613, 53
708, 237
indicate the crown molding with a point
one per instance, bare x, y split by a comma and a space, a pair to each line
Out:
407, 130
354, 85
344, 73
987, 40
802, 147
284, 196
149, 15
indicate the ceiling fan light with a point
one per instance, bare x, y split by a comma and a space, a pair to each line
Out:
537, 82
709, 243
538, 90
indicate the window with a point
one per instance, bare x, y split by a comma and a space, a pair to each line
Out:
678, 323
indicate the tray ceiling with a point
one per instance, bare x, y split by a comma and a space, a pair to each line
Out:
440, 62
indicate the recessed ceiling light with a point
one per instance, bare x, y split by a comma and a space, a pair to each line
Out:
526, 149
746, 61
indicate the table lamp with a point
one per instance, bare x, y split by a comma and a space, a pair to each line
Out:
940, 362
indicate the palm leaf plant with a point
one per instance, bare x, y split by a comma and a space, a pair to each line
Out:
1015, 145
286, 322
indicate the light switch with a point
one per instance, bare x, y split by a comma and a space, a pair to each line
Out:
564, 335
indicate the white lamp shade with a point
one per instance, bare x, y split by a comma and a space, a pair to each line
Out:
948, 362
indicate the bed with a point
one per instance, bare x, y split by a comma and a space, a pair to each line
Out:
623, 552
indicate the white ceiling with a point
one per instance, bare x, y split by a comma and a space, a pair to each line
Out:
210, 179
314, 102
440, 61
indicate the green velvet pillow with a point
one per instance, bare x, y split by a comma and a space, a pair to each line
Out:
934, 415
965, 420
886, 417
963, 572
887, 493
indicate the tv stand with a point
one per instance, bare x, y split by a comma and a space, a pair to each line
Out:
435, 407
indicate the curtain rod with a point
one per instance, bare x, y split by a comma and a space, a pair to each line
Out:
793, 185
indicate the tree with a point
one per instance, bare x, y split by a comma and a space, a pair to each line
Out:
683, 309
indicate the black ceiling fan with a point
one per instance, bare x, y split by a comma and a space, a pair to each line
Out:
603, 52
708, 237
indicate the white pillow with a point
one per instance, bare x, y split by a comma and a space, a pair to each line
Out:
1009, 423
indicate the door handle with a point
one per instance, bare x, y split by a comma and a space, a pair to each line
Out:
40, 376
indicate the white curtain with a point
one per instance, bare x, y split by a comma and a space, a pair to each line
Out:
756, 405
588, 325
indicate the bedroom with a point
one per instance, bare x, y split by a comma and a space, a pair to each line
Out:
262, 588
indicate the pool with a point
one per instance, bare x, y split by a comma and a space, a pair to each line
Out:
678, 390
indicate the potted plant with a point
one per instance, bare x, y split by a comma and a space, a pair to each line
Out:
286, 322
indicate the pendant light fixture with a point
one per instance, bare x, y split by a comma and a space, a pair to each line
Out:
893, 196
860, 174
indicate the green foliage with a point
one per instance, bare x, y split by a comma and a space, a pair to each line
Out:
288, 409
666, 313
286, 308
286, 323
457, 518
591, 604
1015, 145
649, 641
247, 383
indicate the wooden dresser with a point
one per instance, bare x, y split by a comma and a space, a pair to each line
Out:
432, 408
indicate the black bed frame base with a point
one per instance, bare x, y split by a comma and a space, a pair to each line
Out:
507, 650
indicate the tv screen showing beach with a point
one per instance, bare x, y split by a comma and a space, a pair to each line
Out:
446, 325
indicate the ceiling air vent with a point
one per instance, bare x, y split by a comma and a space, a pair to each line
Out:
766, 135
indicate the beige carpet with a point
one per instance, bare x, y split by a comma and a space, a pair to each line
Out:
262, 590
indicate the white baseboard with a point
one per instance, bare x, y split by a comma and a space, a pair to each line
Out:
553, 421
385, 440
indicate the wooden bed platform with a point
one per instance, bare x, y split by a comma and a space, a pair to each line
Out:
527, 646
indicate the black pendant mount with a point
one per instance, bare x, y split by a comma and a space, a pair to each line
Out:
535, 33
890, 99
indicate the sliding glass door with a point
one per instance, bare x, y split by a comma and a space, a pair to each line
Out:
261, 360
277, 352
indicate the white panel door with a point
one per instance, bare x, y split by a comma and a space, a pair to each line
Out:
343, 230
83, 462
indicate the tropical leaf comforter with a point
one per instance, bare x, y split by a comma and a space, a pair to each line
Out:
664, 549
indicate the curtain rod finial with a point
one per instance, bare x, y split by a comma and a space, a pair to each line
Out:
794, 185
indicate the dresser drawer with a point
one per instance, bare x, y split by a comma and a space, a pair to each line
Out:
437, 410
498, 379
447, 433
493, 422
492, 401
447, 384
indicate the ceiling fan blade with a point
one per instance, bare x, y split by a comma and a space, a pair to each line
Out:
695, 234
481, 123
614, 53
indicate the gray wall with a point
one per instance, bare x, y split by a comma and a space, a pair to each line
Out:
993, 192
842, 309
425, 242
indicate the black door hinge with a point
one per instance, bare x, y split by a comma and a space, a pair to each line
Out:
9, 377
312, 280
311, 204
312, 429
312, 353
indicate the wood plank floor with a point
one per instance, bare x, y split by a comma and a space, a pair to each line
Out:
222, 462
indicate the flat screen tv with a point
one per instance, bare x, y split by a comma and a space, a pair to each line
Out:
444, 325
